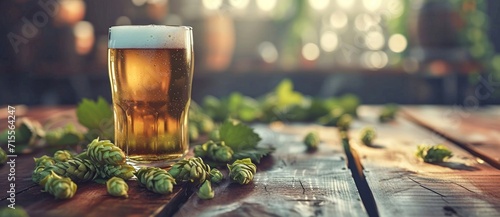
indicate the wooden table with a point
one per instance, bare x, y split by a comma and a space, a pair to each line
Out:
383, 180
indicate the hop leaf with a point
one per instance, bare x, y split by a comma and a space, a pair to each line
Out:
242, 171
124, 171
368, 134
3, 156
62, 156
311, 140
60, 187
105, 152
206, 192
117, 187
156, 180
216, 176
192, 170
433, 154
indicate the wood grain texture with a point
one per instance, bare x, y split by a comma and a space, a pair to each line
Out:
477, 131
291, 182
404, 186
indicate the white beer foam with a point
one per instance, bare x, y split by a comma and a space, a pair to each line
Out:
150, 36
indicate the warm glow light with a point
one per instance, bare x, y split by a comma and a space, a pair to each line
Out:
268, 52
157, 2
345, 4
364, 22
123, 20
266, 5
372, 5
139, 2
70, 11
397, 43
394, 8
84, 37
378, 59
374, 40
319, 4
239, 4
212, 4
310, 51
329, 41
338, 19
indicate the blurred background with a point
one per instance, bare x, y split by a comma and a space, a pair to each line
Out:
54, 52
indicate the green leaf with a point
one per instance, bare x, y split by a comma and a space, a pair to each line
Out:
254, 154
238, 136
92, 114
286, 95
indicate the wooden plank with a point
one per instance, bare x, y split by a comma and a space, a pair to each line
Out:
474, 130
290, 182
92, 199
23, 168
404, 186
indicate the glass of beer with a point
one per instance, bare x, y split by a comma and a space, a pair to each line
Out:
151, 72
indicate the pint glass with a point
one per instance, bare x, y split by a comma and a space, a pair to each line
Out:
151, 71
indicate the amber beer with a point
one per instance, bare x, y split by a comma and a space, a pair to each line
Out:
151, 70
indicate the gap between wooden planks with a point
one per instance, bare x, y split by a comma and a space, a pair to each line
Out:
404, 186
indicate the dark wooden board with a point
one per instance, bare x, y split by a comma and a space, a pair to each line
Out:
404, 186
291, 182
476, 130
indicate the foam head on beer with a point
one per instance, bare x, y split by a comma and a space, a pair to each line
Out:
150, 36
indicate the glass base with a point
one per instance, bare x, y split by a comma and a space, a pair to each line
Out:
137, 164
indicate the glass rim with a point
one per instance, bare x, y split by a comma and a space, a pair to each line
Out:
152, 26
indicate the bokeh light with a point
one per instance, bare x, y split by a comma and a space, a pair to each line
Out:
84, 37
266, 5
239, 4
310, 51
345, 4
329, 41
268, 52
123, 20
338, 19
372, 5
319, 4
212, 4
139, 3
374, 40
397, 43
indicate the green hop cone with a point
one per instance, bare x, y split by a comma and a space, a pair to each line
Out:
223, 154
368, 134
433, 154
216, 176
82, 155
206, 192
44, 161
156, 180
105, 152
311, 140
76, 169
344, 122
117, 187
3, 156
214, 151
17, 212
206, 124
62, 156
60, 187
242, 171
124, 171
192, 170
193, 132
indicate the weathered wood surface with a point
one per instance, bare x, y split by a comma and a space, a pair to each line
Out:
476, 130
404, 186
291, 182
